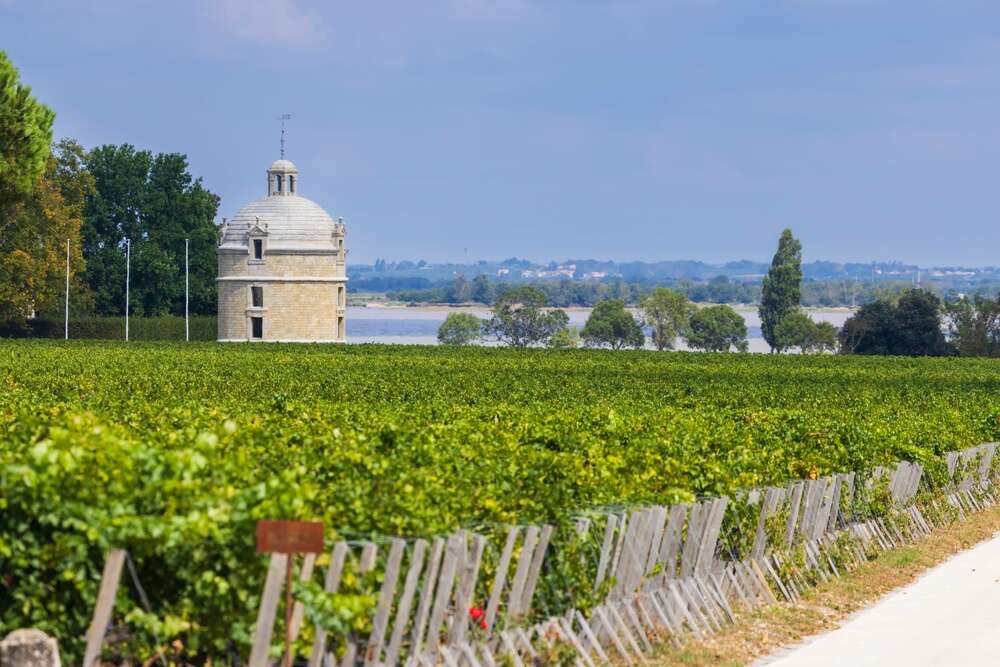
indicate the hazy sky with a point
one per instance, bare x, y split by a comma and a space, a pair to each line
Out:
614, 130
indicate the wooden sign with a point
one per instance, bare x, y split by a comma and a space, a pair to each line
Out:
281, 539
289, 537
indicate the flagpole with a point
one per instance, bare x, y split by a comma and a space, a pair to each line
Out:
187, 331
128, 260
66, 330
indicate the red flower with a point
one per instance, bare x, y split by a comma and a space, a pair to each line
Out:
476, 613
482, 624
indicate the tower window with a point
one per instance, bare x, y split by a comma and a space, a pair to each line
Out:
291, 184
257, 296
277, 184
258, 248
256, 328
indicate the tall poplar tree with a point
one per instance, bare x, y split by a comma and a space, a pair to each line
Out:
782, 288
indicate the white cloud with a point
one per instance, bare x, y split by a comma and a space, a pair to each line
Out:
269, 21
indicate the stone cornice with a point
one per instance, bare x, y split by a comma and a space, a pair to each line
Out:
276, 250
282, 279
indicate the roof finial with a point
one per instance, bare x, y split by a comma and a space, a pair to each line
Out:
284, 117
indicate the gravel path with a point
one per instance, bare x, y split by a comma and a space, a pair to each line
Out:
949, 616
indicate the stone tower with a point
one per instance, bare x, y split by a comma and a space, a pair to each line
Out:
282, 268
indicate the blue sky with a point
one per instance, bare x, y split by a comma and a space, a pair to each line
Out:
678, 129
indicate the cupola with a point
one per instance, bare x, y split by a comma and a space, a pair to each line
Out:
282, 179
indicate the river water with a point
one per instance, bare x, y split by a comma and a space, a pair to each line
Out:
418, 326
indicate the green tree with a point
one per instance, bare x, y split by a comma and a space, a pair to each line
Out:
155, 203
482, 290
459, 290
974, 326
717, 329
871, 330
919, 326
25, 139
459, 329
781, 291
565, 339
910, 327
825, 338
667, 313
33, 247
611, 325
520, 319
797, 330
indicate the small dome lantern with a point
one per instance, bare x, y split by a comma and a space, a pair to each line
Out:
282, 178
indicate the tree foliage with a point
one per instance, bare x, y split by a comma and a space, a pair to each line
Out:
459, 291
520, 319
565, 339
919, 326
797, 330
668, 315
33, 246
482, 290
974, 325
25, 139
911, 326
610, 325
155, 203
459, 329
782, 289
717, 329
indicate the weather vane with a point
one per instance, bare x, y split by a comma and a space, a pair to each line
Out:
284, 117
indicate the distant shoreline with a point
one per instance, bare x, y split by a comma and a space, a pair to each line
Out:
437, 307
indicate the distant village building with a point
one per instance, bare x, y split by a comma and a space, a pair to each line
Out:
282, 268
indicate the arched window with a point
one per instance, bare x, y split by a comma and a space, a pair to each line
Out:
277, 183
291, 184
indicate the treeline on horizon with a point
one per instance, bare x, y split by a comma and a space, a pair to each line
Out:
673, 269
572, 293
824, 284
913, 322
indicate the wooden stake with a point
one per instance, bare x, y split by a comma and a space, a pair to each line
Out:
289, 565
104, 606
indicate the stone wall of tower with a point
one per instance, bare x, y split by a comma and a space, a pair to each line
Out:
281, 263
304, 297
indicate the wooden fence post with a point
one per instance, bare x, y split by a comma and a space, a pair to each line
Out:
104, 606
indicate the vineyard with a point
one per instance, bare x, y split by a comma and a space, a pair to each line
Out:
174, 451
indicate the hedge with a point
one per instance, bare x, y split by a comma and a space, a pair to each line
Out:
167, 327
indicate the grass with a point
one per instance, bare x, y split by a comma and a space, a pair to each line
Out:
764, 631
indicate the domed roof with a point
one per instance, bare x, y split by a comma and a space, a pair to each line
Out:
282, 165
291, 222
